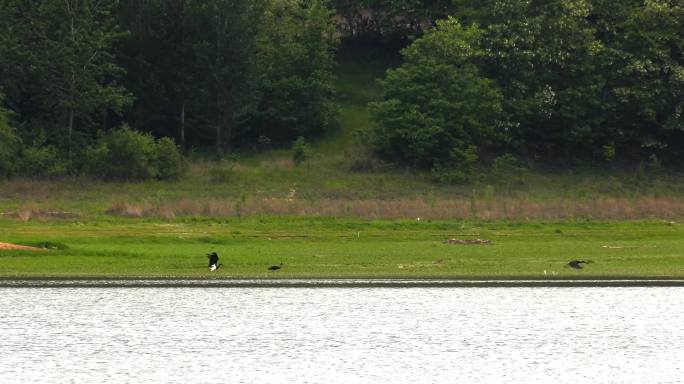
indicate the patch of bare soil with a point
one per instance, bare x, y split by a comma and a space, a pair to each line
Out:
10, 246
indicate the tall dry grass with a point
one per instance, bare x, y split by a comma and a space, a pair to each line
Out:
501, 208
30, 210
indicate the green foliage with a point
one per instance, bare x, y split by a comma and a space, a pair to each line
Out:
41, 161
9, 145
223, 172
576, 80
508, 169
608, 152
643, 65
544, 58
460, 168
228, 72
126, 154
437, 104
123, 154
301, 151
294, 63
169, 160
382, 21
56, 62
553, 81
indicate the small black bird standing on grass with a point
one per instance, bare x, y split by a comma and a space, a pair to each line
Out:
275, 267
213, 261
576, 264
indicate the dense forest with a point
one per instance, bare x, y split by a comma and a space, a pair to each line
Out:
118, 89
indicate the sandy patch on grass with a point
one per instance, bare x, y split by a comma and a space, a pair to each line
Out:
10, 246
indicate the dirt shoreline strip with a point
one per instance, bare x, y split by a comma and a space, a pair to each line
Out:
17, 247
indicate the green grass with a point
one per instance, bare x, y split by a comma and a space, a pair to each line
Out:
249, 217
344, 248
342, 172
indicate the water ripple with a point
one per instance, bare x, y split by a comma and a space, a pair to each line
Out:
333, 335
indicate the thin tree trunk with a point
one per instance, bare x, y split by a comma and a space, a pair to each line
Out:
218, 130
70, 129
182, 126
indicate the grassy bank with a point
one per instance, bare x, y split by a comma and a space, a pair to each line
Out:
342, 179
265, 188
339, 248
345, 213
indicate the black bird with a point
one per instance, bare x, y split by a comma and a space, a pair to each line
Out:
576, 264
213, 261
275, 267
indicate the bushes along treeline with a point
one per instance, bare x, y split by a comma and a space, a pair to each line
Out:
554, 81
551, 81
213, 74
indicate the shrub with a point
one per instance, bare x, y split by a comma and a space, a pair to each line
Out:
301, 151
126, 154
41, 161
459, 169
437, 100
9, 145
222, 173
508, 169
366, 162
169, 159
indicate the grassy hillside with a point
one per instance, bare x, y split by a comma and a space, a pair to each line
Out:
343, 179
346, 213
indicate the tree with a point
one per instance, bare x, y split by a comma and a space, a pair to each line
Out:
9, 143
437, 105
294, 63
160, 63
59, 55
224, 48
644, 66
543, 55
381, 21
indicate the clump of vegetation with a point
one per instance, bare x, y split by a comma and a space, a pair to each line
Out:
41, 161
508, 169
496, 84
126, 154
9, 143
301, 151
437, 104
170, 161
461, 167
222, 172
367, 162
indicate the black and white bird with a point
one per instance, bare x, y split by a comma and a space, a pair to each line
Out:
213, 261
275, 267
576, 264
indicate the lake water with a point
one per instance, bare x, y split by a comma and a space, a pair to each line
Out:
342, 335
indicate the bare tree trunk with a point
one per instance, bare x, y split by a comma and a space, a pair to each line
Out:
182, 126
70, 129
218, 130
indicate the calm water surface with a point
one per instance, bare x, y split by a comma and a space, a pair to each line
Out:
342, 335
